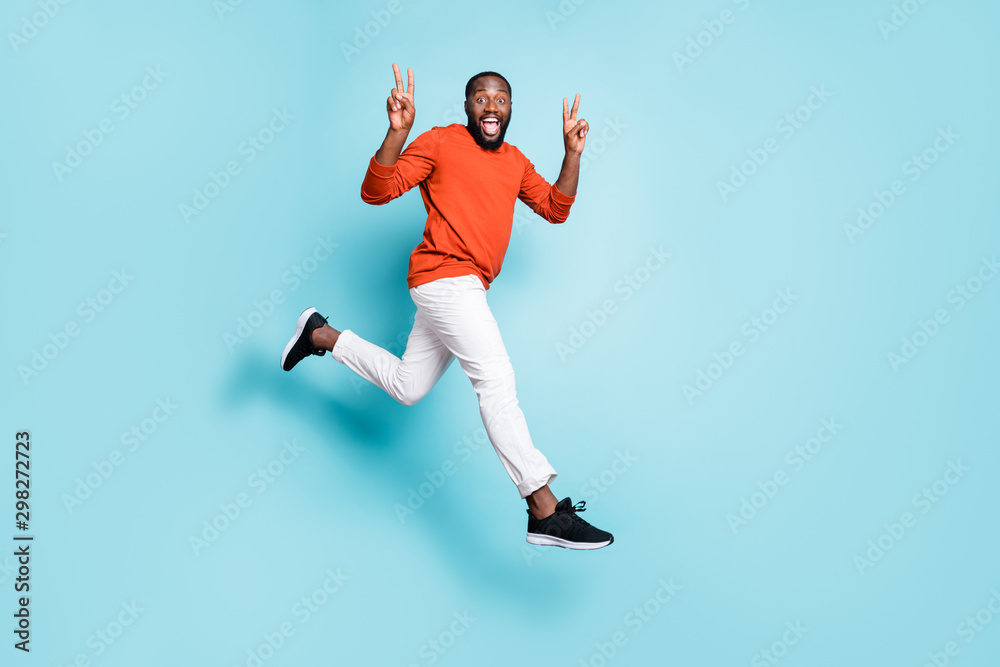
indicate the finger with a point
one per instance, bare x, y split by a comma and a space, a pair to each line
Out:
395, 98
565, 110
576, 105
409, 80
399, 77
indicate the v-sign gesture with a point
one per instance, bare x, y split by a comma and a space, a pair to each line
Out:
399, 105
574, 131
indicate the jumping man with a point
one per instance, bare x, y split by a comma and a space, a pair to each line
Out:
469, 179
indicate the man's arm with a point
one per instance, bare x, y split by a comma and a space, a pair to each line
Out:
401, 112
548, 201
553, 202
574, 137
388, 177
391, 147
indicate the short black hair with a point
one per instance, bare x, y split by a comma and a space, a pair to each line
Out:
468, 86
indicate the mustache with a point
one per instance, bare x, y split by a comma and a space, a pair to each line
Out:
477, 133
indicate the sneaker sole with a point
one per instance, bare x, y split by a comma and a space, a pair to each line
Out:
550, 541
299, 328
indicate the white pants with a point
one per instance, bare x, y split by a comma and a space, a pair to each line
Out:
454, 320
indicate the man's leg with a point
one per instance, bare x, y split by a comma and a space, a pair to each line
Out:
456, 310
423, 349
408, 379
454, 320
541, 503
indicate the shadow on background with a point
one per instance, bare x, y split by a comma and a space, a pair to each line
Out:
376, 433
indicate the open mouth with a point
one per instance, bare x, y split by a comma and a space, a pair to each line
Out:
490, 126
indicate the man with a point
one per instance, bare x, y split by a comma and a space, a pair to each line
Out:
469, 180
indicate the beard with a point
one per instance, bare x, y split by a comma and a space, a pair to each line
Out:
487, 143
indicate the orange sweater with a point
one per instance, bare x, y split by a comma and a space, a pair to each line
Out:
469, 194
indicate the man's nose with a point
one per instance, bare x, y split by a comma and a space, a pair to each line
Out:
491, 105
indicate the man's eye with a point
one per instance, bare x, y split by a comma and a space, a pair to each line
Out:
501, 101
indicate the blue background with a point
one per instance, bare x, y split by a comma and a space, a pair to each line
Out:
669, 471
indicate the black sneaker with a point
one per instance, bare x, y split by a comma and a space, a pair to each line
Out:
300, 346
566, 529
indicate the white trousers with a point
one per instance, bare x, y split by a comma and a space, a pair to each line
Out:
452, 321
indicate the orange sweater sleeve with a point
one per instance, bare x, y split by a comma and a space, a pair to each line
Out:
382, 184
546, 200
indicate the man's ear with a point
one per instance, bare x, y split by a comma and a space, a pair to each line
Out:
466, 104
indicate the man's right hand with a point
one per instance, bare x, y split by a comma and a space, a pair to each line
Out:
399, 105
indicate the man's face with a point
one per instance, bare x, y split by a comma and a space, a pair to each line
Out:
488, 110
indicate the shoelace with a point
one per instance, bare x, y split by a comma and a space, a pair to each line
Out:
581, 506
